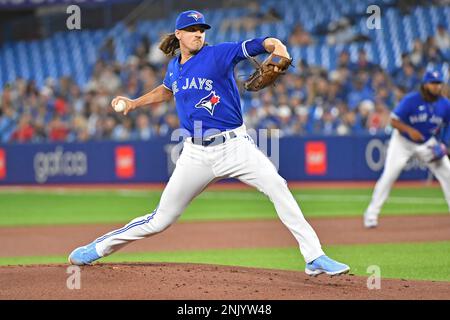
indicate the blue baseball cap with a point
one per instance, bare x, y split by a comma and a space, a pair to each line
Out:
191, 18
432, 76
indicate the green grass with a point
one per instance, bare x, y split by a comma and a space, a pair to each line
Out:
43, 207
424, 261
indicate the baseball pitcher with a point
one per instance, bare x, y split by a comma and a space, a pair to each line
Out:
200, 78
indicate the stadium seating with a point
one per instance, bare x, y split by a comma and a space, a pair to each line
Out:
74, 53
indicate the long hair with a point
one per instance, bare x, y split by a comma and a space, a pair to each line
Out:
169, 45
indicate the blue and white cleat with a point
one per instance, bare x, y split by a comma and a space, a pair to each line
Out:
324, 264
84, 255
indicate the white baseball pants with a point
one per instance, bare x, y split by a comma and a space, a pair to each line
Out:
400, 150
200, 166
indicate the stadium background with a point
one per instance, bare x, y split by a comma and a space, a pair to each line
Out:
70, 165
57, 85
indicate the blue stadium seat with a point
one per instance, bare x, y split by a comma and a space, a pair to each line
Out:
75, 53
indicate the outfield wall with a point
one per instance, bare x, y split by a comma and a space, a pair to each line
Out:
297, 158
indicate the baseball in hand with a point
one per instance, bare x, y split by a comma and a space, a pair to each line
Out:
120, 106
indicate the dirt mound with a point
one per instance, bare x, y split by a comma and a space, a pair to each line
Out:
161, 281
51, 240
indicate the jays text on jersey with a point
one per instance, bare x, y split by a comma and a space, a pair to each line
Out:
204, 88
426, 117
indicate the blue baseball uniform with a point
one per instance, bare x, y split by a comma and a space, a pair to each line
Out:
204, 87
429, 118
206, 94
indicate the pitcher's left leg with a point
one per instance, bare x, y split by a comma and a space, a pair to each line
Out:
258, 171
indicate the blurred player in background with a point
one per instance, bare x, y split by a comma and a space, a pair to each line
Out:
421, 121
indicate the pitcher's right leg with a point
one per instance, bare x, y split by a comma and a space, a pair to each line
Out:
251, 166
190, 177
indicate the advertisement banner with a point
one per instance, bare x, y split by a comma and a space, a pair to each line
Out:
2, 164
298, 159
316, 158
125, 163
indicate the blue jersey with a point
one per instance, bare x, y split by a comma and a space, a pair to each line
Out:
204, 88
426, 117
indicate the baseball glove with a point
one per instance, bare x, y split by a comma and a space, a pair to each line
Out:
266, 73
439, 151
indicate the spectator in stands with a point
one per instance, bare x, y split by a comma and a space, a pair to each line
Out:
247, 22
134, 38
303, 69
442, 38
362, 63
272, 15
343, 76
40, 131
76, 99
267, 113
299, 36
147, 78
108, 79
328, 123
142, 51
334, 92
285, 120
301, 124
358, 93
108, 51
350, 124
344, 60
340, 32
24, 131
143, 128
251, 19
94, 120
434, 55
155, 56
378, 120
58, 130
405, 59
124, 130
407, 77
78, 130
60, 106
5, 96
133, 87
169, 124
385, 96
107, 127
417, 56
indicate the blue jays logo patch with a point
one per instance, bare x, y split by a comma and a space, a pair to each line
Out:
195, 15
209, 102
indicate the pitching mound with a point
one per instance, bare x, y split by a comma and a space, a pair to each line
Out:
163, 281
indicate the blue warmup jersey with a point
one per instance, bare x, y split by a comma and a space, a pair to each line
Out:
426, 117
204, 87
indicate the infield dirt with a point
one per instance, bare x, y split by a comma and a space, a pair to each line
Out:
196, 281
161, 281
